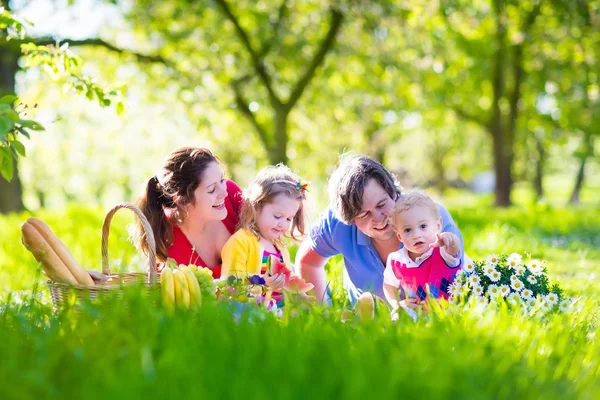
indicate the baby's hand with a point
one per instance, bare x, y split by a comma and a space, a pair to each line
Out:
448, 240
276, 281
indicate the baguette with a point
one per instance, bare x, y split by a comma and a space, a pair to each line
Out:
81, 275
43, 253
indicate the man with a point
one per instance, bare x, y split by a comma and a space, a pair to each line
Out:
362, 195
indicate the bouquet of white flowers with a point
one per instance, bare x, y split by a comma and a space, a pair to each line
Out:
501, 278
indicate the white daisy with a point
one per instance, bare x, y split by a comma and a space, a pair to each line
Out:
478, 291
514, 260
531, 302
535, 266
474, 280
462, 291
527, 294
564, 305
492, 260
551, 298
488, 270
514, 298
520, 270
469, 267
504, 290
453, 289
517, 285
513, 278
481, 300
531, 279
545, 306
460, 274
493, 291
494, 276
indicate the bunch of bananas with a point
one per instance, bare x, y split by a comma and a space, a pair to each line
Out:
179, 288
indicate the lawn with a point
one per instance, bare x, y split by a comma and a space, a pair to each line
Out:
131, 348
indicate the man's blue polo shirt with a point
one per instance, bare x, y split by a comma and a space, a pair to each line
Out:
363, 268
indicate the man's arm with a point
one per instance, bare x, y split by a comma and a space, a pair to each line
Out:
312, 269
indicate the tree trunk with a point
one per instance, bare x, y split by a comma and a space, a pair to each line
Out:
579, 179
502, 168
278, 154
578, 182
11, 193
538, 183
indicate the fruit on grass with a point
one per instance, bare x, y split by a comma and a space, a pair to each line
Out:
80, 275
297, 285
43, 253
182, 291
194, 289
167, 288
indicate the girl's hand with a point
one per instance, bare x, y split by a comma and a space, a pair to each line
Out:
448, 240
275, 281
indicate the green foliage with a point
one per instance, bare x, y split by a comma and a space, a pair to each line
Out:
58, 62
130, 347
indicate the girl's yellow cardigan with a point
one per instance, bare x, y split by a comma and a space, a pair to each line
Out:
242, 255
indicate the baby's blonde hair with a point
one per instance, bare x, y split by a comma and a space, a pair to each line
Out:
269, 183
413, 198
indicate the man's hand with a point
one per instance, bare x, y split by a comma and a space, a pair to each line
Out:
448, 240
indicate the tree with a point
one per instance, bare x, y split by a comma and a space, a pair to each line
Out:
494, 53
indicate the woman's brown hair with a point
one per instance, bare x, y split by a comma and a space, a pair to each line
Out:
269, 183
171, 188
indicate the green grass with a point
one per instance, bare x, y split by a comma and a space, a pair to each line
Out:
133, 349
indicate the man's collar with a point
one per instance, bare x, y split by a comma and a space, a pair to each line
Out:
361, 238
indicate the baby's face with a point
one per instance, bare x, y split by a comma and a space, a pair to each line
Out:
416, 228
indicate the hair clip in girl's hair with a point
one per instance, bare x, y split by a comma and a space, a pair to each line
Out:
302, 188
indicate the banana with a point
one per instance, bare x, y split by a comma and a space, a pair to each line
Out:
182, 291
194, 288
167, 289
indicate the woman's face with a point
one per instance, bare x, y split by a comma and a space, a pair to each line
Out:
209, 196
374, 218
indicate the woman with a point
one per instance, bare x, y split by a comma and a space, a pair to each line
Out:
192, 209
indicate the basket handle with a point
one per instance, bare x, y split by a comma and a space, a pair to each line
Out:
148, 233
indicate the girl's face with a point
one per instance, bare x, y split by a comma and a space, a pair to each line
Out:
416, 228
275, 218
209, 197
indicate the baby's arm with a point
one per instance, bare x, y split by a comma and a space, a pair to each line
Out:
391, 295
450, 246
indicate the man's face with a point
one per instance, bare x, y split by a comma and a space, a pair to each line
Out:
374, 218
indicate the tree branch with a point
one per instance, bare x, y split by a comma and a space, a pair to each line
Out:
242, 105
336, 22
256, 60
45, 41
281, 14
495, 123
469, 117
519, 71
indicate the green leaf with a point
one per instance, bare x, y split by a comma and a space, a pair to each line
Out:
8, 99
120, 108
10, 114
19, 148
6, 164
29, 124
6, 125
